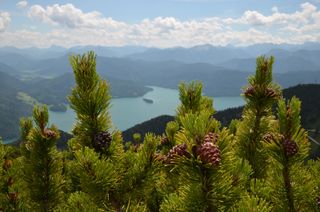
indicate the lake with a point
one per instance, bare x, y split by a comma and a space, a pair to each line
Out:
127, 112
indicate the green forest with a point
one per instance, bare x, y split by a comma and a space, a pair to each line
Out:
259, 162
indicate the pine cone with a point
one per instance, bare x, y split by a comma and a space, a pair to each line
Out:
160, 158
288, 113
250, 92
10, 181
102, 141
164, 140
49, 133
13, 196
209, 153
290, 147
268, 137
177, 151
271, 93
7, 164
136, 147
211, 137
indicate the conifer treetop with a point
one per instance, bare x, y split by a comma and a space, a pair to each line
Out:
90, 98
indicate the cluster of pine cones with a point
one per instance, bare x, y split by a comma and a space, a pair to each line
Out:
252, 92
289, 146
207, 151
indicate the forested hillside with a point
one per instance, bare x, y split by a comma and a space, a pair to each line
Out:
12, 105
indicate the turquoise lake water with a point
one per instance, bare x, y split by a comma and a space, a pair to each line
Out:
127, 112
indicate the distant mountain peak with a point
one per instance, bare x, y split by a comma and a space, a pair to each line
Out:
203, 47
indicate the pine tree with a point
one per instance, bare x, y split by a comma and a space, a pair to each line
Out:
257, 119
204, 171
90, 99
290, 183
97, 167
42, 167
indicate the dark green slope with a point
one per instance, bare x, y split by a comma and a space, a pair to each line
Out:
156, 125
11, 108
55, 91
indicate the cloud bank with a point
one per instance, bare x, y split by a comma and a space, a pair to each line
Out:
71, 26
4, 21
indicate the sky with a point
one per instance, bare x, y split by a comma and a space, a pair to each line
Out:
157, 23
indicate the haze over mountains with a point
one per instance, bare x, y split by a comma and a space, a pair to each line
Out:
45, 75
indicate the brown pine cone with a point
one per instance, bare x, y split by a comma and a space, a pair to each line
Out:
7, 164
49, 133
250, 92
209, 153
164, 140
211, 137
268, 137
13, 196
271, 93
290, 147
160, 158
102, 141
177, 151
10, 181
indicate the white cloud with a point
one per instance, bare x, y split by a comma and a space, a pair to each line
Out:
72, 26
304, 16
4, 21
274, 9
22, 4
69, 16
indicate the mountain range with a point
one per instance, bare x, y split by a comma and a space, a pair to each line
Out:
45, 75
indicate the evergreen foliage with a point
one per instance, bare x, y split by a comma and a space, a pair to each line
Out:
259, 163
98, 154
289, 180
90, 99
257, 118
41, 163
9, 188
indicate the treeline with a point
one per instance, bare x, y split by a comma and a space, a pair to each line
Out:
258, 163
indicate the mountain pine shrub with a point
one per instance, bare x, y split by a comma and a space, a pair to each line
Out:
257, 119
41, 163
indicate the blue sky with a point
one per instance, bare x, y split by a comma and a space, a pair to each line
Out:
161, 23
